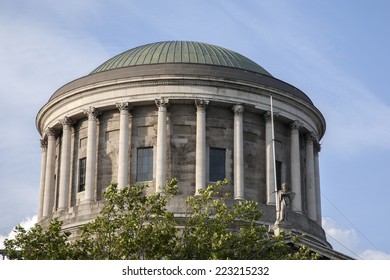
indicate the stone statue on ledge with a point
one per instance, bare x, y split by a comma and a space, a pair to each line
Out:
283, 204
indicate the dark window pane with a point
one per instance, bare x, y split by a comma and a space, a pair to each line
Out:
217, 164
82, 170
144, 164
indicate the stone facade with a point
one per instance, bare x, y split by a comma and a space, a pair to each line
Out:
93, 129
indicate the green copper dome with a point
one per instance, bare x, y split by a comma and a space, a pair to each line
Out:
180, 52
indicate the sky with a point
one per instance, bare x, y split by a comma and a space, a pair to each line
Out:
334, 51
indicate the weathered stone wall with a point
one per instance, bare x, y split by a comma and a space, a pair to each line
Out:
79, 151
181, 139
181, 159
182, 145
143, 134
108, 146
254, 157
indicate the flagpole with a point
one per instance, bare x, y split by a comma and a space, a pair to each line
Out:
273, 152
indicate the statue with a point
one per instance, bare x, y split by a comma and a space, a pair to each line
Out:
283, 204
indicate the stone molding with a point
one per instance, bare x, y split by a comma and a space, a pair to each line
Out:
313, 119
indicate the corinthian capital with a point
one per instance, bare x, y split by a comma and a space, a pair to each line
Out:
267, 115
66, 121
238, 109
91, 112
311, 137
317, 147
162, 102
50, 131
296, 125
43, 143
125, 106
201, 104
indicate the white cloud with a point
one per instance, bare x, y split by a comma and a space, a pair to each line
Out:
348, 241
37, 56
342, 240
26, 224
374, 255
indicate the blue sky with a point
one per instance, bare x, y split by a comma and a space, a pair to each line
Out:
335, 51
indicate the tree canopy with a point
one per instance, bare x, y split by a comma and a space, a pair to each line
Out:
133, 225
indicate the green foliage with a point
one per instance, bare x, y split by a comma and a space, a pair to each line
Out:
40, 244
218, 227
133, 225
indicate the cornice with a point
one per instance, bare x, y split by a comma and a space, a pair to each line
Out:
213, 82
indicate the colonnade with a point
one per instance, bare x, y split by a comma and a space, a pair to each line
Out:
47, 190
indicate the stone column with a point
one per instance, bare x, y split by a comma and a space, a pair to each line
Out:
317, 149
238, 152
90, 169
48, 202
42, 179
123, 156
270, 161
310, 178
161, 153
200, 169
65, 164
296, 186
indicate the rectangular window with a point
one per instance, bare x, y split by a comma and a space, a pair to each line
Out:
217, 164
82, 169
144, 164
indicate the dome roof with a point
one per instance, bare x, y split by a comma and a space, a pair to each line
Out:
180, 52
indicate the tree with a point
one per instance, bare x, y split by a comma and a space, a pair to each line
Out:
135, 226
131, 226
39, 243
218, 227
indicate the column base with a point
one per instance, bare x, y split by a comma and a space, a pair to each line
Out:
87, 201
282, 226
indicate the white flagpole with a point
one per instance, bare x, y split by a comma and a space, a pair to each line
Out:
273, 154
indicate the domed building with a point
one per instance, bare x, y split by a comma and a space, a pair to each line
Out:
187, 110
